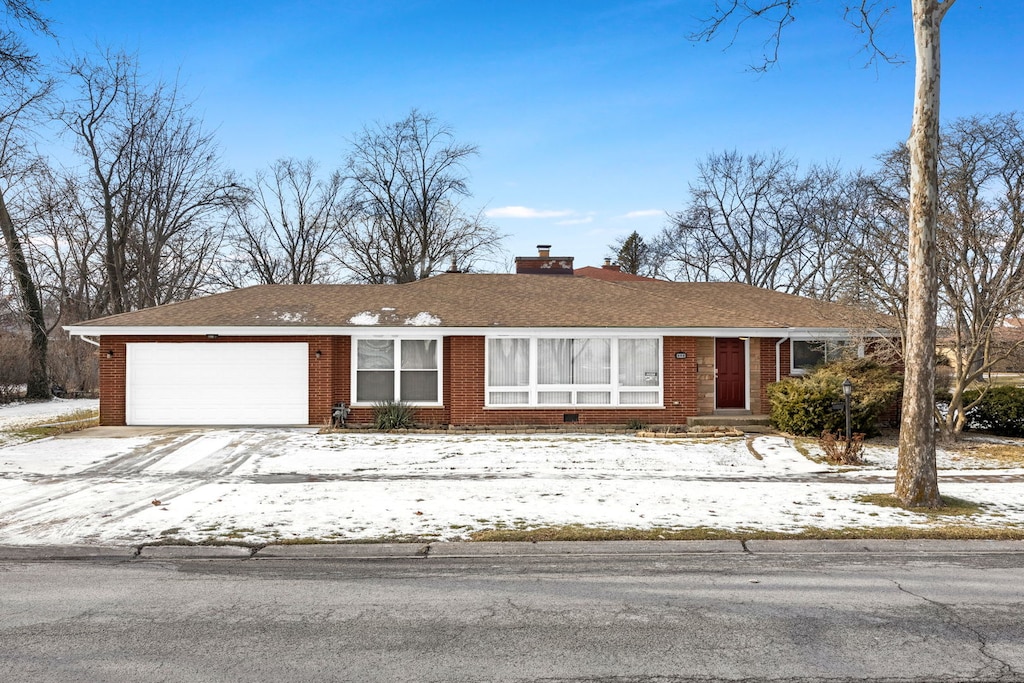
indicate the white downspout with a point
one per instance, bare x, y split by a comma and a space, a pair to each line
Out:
87, 340
778, 359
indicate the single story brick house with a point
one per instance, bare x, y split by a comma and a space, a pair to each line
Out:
543, 346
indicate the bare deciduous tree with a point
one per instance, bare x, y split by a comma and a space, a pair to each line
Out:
739, 223
408, 181
287, 225
16, 59
980, 244
756, 219
916, 475
22, 92
153, 172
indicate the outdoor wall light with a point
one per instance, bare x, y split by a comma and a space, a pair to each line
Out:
318, 354
110, 353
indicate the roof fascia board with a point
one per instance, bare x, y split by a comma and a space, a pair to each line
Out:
436, 331
816, 333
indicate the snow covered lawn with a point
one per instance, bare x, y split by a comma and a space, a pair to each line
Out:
17, 416
263, 485
13, 415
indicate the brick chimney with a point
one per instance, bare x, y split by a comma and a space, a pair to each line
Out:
544, 263
608, 265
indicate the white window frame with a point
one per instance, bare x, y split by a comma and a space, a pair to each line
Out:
796, 372
397, 340
533, 388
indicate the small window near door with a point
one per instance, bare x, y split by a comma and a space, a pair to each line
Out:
810, 353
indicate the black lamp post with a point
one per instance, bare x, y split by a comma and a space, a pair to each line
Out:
847, 393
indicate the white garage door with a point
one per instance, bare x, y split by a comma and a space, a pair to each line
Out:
217, 384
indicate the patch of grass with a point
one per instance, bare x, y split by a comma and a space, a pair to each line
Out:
312, 540
950, 505
302, 540
212, 541
803, 445
65, 424
239, 533
1005, 454
1011, 379
578, 533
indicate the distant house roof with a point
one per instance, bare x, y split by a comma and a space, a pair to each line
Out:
462, 300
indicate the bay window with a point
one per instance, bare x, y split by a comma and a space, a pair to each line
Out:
573, 371
397, 370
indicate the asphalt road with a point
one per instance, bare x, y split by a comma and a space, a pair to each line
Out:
599, 612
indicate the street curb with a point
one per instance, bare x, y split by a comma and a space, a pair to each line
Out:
341, 551
458, 549
839, 546
193, 552
867, 545
65, 552
504, 549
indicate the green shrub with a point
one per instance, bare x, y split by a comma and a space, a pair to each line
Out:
803, 405
1001, 410
393, 415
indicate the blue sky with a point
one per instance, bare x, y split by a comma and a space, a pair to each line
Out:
591, 114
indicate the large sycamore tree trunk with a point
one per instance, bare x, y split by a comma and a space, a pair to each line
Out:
916, 477
38, 384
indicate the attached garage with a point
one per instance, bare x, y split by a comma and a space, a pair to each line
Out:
218, 383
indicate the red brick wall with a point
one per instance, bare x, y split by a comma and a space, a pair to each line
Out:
768, 373
462, 388
767, 353
785, 352
112, 379
321, 378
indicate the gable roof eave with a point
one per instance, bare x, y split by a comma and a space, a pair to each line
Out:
406, 331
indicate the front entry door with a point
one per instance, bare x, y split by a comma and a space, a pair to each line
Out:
730, 374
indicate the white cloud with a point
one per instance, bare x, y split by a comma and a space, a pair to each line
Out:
576, 221
524, 212
644, 213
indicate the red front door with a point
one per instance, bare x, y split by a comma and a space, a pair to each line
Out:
730, 374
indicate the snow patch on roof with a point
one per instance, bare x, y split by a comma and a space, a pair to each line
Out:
289, 316
364, 318
423, 319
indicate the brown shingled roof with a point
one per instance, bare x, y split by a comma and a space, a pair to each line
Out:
609, 274
494, 301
